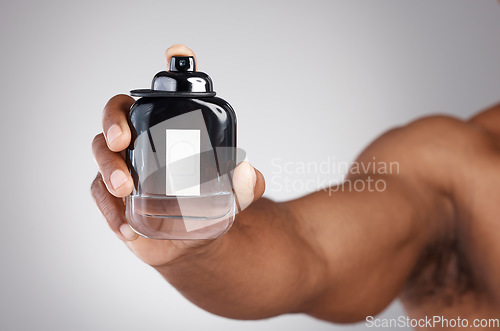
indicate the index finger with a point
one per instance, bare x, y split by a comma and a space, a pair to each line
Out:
178, 50
114, 122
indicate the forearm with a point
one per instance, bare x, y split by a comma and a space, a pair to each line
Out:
339, 256
262, 267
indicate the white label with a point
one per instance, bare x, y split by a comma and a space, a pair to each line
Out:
183, 162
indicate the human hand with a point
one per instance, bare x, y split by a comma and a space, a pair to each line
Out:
113, 182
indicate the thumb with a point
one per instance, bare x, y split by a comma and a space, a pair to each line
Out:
248, 184
178, 50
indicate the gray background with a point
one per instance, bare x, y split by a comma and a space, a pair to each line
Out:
309, 80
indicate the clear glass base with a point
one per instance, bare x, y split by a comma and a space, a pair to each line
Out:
181, 217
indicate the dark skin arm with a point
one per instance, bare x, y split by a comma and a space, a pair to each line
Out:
338, 256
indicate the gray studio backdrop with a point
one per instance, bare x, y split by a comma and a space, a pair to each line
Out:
311, 81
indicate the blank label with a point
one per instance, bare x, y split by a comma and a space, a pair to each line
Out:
183, 162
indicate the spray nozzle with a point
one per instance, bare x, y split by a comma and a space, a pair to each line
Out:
182, 64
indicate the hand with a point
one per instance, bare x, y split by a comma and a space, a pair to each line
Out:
113, 182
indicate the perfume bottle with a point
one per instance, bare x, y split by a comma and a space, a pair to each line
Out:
181, 157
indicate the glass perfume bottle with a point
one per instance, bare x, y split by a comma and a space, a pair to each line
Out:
181, 157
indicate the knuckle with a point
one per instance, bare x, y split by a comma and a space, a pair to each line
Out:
104, 202
120, 102
98, 140
107, 165
98, 144
120, 97
96, 188
113, 100
107, 210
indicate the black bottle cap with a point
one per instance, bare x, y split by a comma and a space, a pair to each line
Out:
182, 80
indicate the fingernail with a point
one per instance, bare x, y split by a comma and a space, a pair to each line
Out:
252, 179
118, 178
113, 133
127, 232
